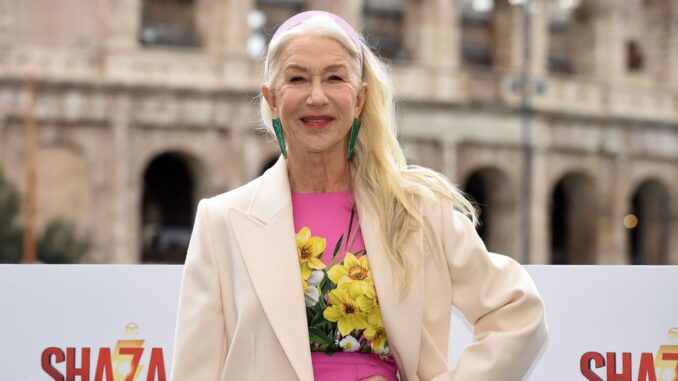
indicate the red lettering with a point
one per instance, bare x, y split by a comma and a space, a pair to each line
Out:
46, 361
585, 365
671, 356
156, 367
71, 370
104, 366
136, 356
646, 370
612, 374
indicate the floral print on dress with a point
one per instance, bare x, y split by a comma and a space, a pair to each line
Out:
342, 307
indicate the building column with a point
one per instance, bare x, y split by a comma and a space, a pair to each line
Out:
124, 209
235, 31
672, 65
438, 34
539, 39
673, 227
540, 247
349, 10
507, 47
608, 33
124, 19
450, 161
612, 206
6, 27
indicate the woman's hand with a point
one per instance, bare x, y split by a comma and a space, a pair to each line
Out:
375, 378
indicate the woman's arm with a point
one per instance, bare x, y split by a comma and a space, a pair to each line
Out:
499, 298
200, 343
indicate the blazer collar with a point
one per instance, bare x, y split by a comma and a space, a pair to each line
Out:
273, 193
265, 234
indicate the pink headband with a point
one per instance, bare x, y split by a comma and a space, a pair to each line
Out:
300, 18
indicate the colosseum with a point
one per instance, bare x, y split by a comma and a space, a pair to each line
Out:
559, 117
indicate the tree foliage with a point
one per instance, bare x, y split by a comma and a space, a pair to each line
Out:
58, 242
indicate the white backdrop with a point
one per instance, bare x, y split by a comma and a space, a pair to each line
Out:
45, 310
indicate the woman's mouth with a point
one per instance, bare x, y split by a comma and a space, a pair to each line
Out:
317, 121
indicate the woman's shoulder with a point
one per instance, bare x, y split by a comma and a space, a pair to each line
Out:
442, 215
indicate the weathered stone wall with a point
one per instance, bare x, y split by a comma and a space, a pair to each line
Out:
108, 106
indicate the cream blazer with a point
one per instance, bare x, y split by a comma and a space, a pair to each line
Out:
242, 316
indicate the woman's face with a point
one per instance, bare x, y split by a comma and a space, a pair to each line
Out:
317, 93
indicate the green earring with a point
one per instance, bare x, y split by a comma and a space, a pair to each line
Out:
277, 128
353, 136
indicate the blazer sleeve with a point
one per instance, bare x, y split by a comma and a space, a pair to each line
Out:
498, 297
200, 343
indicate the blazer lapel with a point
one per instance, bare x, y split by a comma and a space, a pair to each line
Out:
265, 234
402, 318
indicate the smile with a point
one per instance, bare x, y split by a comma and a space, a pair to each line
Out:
317, 121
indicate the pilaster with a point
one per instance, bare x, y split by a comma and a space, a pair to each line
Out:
124, 19
349, 10
125, 249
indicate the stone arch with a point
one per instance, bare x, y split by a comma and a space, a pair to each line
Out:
197, 162
168, 200
491, 188
648, 223
573, 220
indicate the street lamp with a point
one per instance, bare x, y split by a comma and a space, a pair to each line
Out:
256, 44
526, 128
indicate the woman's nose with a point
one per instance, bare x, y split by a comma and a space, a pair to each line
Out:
317, 95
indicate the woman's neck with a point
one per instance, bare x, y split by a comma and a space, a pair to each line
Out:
318, 173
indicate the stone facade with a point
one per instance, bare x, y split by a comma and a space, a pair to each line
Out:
592, 137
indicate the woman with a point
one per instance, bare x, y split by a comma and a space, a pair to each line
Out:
341, 262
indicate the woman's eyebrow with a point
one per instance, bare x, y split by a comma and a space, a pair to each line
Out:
335, 67
332, 67
295, 67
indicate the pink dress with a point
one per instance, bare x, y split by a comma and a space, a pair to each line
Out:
348, 341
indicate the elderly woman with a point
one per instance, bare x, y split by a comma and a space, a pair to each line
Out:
342, 262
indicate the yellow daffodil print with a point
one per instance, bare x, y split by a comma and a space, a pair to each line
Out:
309, 249
352, 271
377, 336
369, 303
342, 307
344, 310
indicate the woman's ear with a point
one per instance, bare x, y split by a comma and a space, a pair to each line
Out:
270, 98
360, 99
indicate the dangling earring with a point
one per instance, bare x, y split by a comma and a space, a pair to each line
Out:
353, 136
277, 128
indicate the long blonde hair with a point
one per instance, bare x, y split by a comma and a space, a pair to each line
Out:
380, 174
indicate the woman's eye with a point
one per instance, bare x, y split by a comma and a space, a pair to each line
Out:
296, 79
335, 78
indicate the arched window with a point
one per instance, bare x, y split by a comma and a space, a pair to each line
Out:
169, 23
167, 209
488, 32
477, 32
573, 221
384, 28
571, 37
490, 188
276, 12
648, 224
